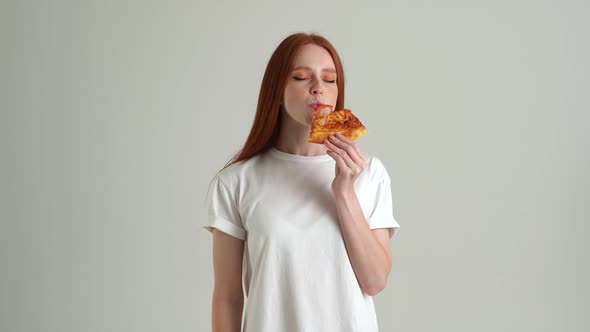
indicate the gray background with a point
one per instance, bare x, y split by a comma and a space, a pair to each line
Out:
116, 114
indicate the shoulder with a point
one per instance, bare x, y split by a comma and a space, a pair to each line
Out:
375, 169
231, 175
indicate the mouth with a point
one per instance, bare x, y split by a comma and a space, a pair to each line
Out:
314, 105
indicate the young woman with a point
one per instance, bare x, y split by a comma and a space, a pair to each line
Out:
301, 229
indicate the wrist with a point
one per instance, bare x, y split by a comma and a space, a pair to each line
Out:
344, 193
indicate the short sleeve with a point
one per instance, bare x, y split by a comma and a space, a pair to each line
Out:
382, 215
222, 210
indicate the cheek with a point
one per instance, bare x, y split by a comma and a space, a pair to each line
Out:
291, 96
334, 90
288, 95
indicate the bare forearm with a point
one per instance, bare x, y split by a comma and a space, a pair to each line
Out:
227, 315
369, 260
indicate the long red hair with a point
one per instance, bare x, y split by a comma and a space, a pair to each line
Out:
267, 121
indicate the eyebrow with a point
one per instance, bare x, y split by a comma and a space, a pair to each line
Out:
331, 70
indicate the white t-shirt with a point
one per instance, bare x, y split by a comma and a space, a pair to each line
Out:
297, 275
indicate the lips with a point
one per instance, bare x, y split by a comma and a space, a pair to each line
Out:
315, 104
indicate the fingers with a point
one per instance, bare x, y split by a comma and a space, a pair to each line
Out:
353, 144
340, 163
348, 150
349, 163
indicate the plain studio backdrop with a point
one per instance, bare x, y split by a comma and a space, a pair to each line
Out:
116, 115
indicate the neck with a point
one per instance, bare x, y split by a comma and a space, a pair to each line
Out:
293, 139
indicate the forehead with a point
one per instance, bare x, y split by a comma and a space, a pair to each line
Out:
313, 56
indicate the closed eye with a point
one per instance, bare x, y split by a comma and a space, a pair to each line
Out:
304, 78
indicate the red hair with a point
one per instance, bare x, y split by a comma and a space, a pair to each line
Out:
267, 121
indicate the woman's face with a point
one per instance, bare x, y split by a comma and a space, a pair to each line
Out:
312, 79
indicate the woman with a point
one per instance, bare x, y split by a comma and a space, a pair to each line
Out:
304, 227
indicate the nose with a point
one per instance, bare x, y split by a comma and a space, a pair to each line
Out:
317, 89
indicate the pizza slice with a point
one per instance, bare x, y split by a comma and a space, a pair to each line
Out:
327, 122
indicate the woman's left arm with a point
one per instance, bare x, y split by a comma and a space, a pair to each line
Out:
368, 250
